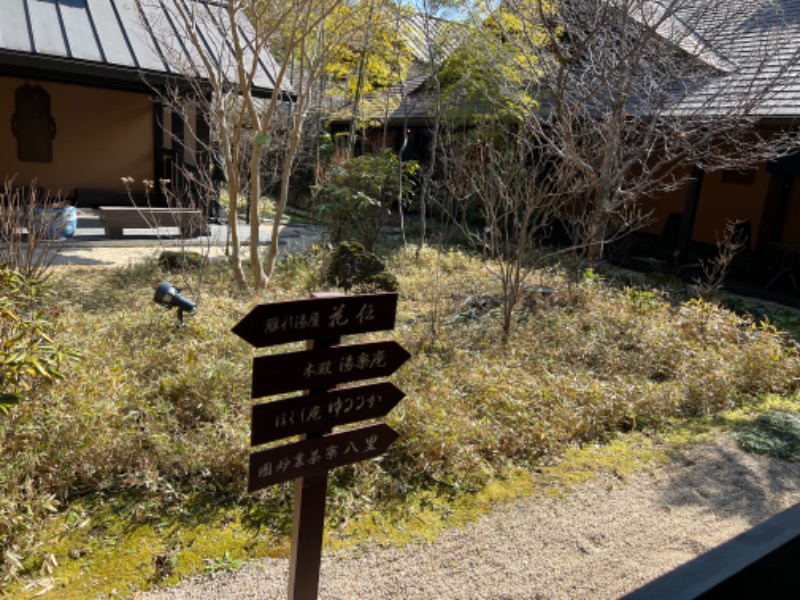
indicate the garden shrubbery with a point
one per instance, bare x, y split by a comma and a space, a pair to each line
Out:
356, 197
164, 411
30, 359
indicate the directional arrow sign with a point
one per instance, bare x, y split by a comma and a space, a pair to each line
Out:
301, 459
319, 412
315, 318
319, 369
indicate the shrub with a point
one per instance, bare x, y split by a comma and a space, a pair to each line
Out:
28, 354
352, 266
28, 239
172, 260
776, 434
356, 198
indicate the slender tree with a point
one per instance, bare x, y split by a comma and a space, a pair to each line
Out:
499, 172
292, 38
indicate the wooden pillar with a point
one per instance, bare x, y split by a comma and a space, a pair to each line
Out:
202, 131
776, 206
783, 175
158, 145
310, 497
178, 185
203, 192
690, 212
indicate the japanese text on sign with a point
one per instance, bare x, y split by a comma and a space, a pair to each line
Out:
340, 405
323, 411
280, 322
337, 318
310, 369
327, 454
283, 463
346, 364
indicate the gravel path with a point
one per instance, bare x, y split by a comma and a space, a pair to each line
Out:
97, 251
602, 540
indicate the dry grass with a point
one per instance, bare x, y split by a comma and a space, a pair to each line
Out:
164, 412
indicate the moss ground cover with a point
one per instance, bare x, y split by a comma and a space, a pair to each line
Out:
131, 470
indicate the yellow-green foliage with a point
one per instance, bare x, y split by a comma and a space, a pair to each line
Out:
501, 68
152, 415
28, 356
375, 32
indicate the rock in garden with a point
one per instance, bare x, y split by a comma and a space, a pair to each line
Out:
351, 266
171, 260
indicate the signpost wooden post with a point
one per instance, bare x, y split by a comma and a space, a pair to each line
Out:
321, 321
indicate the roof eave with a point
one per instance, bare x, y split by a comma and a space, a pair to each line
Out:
78, 72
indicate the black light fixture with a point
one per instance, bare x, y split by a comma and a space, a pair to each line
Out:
169, 296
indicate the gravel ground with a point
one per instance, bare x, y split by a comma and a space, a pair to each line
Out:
601, 540
93, 249
121, 256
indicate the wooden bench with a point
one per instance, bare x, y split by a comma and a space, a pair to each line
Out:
91, 198
189, 221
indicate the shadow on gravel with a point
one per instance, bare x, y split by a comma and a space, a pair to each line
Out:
725, 481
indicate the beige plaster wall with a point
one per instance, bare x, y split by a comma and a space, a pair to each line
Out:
722, 201
101, 136
718, 202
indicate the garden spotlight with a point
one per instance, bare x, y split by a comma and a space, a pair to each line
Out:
168, 295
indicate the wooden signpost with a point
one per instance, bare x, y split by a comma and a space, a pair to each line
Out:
321, 321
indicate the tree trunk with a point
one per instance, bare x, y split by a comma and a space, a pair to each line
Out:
427, 177
596, 236
280, 208
259, 279
362, 65
235, 259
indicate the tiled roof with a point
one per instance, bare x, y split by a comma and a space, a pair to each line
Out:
404, 103
112, 41
752, 48
755, 47
431, 37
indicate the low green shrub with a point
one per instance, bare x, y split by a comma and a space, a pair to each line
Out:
177, 260
356, 198
776, 434
351, 266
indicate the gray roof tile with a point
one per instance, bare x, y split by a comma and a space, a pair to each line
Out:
760, 39
105, 36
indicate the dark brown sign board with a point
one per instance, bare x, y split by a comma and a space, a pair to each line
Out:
315, 318
317, 369
321, 321
300, 459
321, 412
